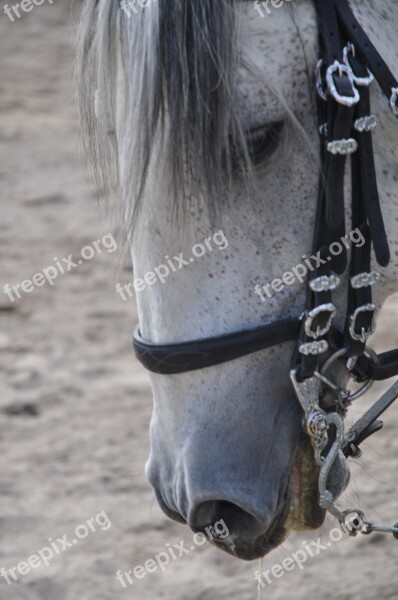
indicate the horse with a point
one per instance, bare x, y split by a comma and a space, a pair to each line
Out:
201, 117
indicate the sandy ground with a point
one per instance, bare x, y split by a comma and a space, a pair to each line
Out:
75, 406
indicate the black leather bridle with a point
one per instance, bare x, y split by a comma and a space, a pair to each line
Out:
348, 65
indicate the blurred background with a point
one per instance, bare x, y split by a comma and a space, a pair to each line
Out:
75, 405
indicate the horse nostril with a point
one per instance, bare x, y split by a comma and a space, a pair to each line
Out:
218, 516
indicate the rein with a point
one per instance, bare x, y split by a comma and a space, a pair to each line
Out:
348, 65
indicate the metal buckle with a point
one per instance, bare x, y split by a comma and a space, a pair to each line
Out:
370, 307
324, 283
348, 146
363, 81
365, 279
393, 101
367, 123
315, 312
342, 69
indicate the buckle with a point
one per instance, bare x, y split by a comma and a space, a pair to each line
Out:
365, 279
363, 81
348, 146
370, 307
393, 101
316, 312
343, 70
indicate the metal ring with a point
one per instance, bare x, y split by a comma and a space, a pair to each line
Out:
332, 358
368, 384
338, 354
360, 515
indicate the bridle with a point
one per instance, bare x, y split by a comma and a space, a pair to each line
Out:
348, 66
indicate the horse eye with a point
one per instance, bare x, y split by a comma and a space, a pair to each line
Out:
263, 141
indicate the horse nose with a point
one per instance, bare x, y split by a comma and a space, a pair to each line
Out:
221, 519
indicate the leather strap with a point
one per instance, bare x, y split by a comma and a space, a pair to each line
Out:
368, 423
385, 367
342, 121
366, 49
170, 359
366, 172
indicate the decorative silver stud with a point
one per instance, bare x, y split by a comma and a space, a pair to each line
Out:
343, 146
366, 123
324, 283
365, 279
314, 347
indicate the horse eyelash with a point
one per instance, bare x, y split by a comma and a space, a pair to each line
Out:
263, 142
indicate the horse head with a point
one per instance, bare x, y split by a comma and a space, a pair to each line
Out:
206, 120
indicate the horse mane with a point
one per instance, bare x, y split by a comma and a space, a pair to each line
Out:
174, 64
